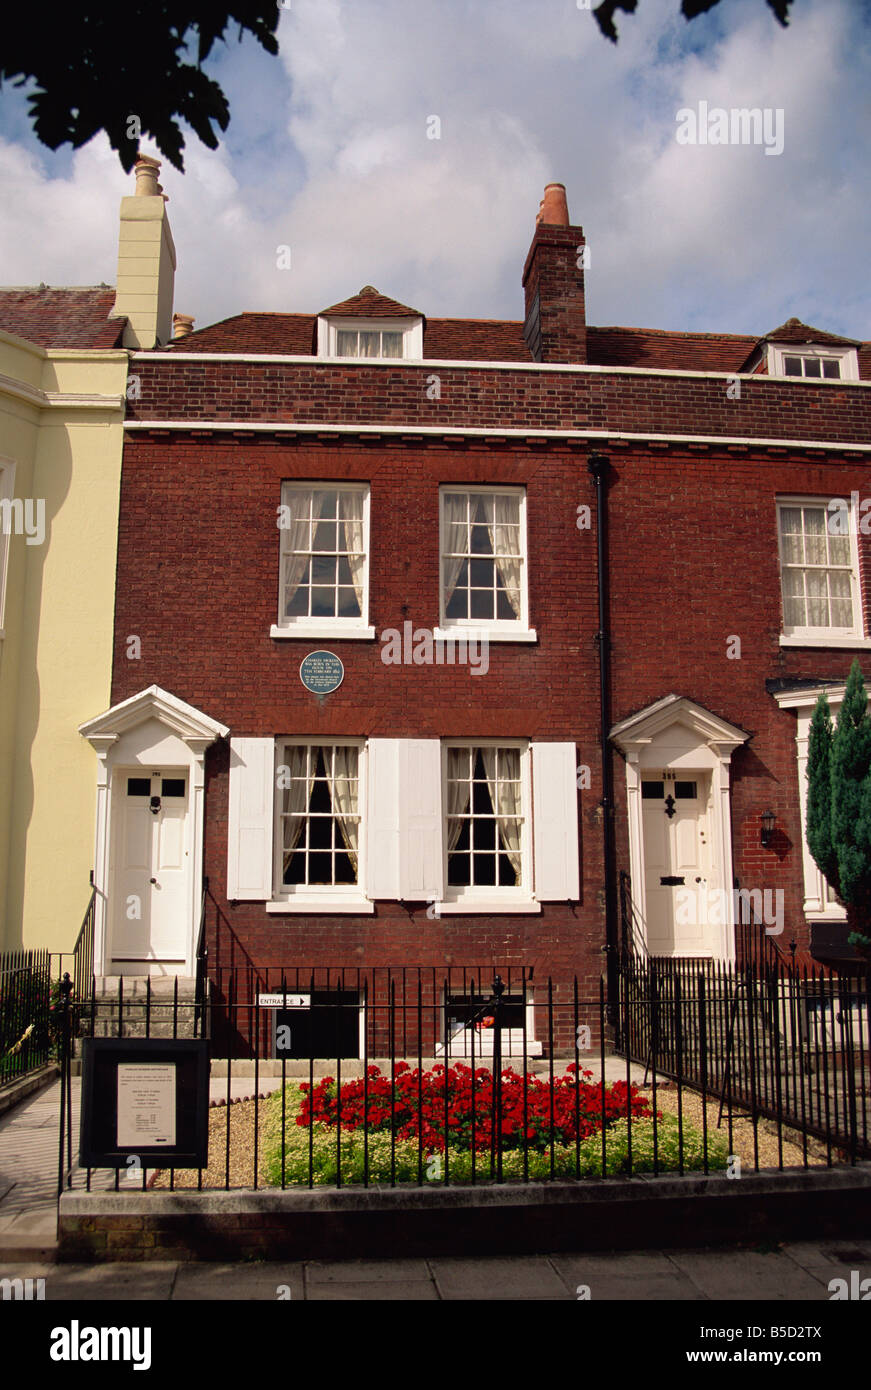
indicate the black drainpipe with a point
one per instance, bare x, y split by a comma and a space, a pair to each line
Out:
599, 467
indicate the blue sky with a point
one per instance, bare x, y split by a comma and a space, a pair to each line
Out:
327, 153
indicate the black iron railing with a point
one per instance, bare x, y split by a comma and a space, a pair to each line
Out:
83, 975
26, 1017
425, 1074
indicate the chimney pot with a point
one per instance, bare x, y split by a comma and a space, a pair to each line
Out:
146, 171
182, 325
554, 209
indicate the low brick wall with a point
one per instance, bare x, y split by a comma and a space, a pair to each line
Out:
636, 1213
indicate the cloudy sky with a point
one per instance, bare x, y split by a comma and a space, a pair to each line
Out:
328, 153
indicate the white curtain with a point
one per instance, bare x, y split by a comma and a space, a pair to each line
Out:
459, 792
297, 796
505, 796
296, 544
343, 795
505, 540
351, 504
456, 540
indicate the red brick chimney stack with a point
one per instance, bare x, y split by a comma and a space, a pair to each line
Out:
553, 282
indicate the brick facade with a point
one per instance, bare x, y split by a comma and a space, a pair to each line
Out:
692, 564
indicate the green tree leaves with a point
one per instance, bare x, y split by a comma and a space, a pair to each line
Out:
94, 70
839, 795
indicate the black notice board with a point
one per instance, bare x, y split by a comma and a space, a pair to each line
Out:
188, 1059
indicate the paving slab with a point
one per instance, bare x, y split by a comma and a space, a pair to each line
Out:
366, 1271
151, 1280
530, 1278
747, 1274
249, 1282
386, 1291
633, 1276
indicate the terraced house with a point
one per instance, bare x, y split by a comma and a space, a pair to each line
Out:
453, 643
64, 356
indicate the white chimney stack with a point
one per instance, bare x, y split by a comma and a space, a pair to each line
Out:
146, 262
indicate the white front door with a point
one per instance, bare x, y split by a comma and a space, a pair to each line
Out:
151, 868
681, 908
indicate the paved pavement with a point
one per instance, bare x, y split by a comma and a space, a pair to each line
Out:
795, 1272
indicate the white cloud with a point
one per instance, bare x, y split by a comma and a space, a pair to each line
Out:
716, 238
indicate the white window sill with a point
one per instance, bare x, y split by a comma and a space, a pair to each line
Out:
330, 906
484, 634
825, 914
860, 643
489, 905
332, 634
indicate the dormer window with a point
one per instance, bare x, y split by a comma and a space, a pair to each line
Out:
813, 362
368, 342
370, 338
811, 366
370, 326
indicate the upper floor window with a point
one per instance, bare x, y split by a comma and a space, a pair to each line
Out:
324, 556
818, 570
483, 558
815, 363
370, 338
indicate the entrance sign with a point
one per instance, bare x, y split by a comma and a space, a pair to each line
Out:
147, 1098
146, 1103
281, 1001
321, 673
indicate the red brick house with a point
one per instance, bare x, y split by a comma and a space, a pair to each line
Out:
520, 538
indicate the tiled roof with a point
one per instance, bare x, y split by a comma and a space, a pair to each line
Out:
656, 347
370, 304
62, 318
295, 334
794, 331
500, 340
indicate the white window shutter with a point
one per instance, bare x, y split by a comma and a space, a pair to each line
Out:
250, 818
382, 818
404, 820
421, 860
555, 822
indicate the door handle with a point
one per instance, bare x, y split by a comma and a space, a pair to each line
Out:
153, 880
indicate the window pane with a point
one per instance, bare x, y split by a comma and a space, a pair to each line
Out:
346, 343
793, 598
325, 536
391, 344
831, 367
792, 366
652, 791
347, 605
138, 786
841, 599
817, 599
324, 505
481, 574
323, 604
369, 345
812, 366
481, 603
839, 550
172, 786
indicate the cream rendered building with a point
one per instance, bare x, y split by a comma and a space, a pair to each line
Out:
64, 356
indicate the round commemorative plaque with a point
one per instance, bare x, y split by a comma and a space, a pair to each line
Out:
321, 673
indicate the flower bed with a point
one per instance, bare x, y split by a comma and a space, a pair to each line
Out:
397, 1131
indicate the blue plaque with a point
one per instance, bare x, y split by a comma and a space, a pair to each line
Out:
321, 673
